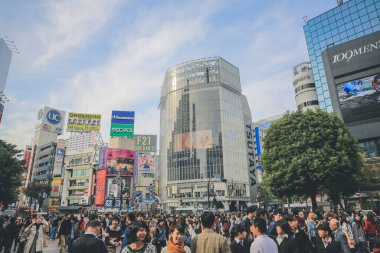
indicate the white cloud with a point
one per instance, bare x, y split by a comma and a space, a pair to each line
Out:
70, 24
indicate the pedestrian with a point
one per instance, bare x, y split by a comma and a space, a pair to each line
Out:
89, 242
113, 235
35, 236
277, 215
176, 241
285, 242
262, 243
339, 235
54, 228
303, 242
359, 234
324, 243
251, 210
347, 230
131, 218
312, 227
74, 233
64, 232
370, 228
239, 241
136, 239
208, 241
160, 236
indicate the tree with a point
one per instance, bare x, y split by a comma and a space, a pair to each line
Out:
11, 169
34, 191
306, 153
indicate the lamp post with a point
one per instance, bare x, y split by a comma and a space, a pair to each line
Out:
208, 190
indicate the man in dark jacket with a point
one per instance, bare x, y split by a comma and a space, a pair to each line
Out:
64, 232
324, 243
302, 240
89, 243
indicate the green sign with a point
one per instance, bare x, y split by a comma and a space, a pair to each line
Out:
122, 130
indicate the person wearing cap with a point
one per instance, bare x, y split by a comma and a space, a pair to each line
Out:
277, 215
208, 241
324, 242
262, 242
285, 242
89, 242
302, 240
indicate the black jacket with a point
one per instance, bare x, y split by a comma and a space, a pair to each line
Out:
333, 247
288, 245
238, 248
89, 244
303, 242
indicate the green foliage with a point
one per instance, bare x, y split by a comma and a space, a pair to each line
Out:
34, 189
11, 169
264, 195
306, 153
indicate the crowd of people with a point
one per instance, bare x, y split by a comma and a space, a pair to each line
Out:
255, 231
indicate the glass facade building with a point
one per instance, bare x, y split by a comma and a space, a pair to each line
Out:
351, 20
202, 135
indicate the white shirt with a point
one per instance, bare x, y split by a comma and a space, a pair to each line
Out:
263, 244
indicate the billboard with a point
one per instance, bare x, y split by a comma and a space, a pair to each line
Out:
122, 124
113, 188
193, 140
120, 161
100, 188
56, 187
83, 122
146, 164
51, 119
145, 143
360, 99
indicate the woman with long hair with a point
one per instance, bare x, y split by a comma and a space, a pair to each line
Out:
346, 229
370, 228
176, 243
136, 237
359, 234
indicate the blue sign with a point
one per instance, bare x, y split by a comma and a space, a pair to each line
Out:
54, 117
123, 117
108, 203
60, 152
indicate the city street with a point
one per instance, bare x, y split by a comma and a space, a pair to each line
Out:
53, 247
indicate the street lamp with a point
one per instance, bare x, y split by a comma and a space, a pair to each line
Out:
208, 190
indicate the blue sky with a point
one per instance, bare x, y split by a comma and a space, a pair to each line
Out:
96, 56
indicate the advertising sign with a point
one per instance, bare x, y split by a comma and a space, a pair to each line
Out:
193, 140
56, 187
52, 120
100, 188
360, 99
113, 188
146, 164
83, 122
145, 143
120, 161
122, 124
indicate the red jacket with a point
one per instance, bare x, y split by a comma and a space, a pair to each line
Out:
370, 228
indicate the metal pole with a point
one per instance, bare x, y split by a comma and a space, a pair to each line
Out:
208, 193
121, 190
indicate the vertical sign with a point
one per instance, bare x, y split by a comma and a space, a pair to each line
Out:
100, 188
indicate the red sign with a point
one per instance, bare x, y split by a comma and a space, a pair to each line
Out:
100, 188
120, 161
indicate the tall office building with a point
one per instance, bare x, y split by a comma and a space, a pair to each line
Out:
304, 87
204, 160
348, 21
5, 61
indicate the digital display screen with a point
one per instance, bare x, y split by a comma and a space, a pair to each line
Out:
360, 99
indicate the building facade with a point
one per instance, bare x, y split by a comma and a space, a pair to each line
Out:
304, 87
5, 61
351, 20
203, 144
353, 75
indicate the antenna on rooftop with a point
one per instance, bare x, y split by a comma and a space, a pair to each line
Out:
305, 19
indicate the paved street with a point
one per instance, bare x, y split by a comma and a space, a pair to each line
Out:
53, 247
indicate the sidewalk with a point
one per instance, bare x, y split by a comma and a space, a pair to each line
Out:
52, 247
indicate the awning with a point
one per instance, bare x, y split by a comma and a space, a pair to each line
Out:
69, 209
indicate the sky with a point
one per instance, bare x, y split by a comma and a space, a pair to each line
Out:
96, 56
